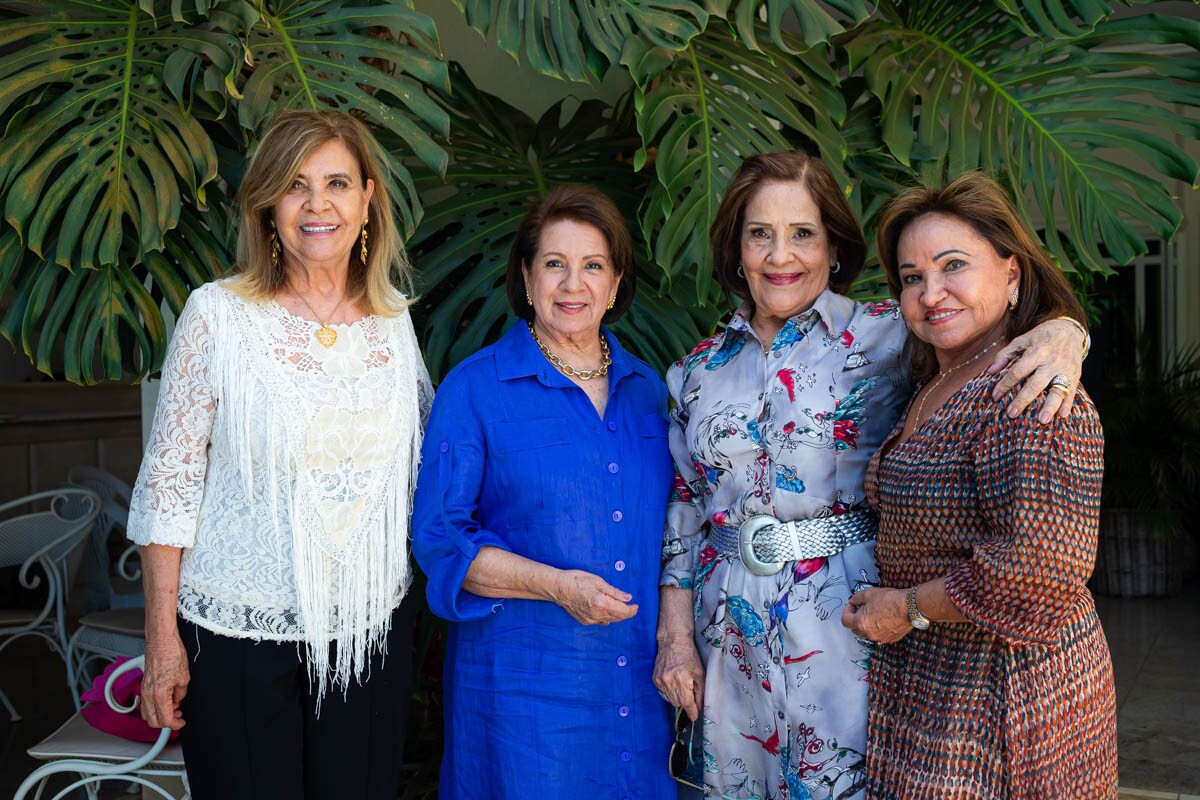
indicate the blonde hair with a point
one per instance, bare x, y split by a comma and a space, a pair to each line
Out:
378, 286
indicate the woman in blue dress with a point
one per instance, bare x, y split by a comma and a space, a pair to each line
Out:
538, 522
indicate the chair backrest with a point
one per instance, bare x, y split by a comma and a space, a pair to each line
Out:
113, 491
99, 593
52, 524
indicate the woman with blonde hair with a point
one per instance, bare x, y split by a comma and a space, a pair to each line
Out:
273, 501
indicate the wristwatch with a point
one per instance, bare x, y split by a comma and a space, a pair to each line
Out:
915, 618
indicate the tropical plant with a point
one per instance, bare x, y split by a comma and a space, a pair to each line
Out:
126, 122
125, 128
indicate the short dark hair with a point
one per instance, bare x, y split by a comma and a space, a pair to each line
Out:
981, 203
580, 204
787, 166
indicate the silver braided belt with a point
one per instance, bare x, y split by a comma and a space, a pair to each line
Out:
764, 544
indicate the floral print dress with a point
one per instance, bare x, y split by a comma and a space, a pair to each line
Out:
786, 429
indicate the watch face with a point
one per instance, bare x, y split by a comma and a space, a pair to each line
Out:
920, 623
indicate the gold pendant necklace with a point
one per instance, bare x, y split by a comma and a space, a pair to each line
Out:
567, 369
326, 335
943, 374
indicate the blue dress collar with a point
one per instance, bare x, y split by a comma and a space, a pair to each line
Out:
518, 356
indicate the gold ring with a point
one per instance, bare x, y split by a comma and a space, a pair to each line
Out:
1061, 383
1063, 390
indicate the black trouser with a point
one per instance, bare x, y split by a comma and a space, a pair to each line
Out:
251, 729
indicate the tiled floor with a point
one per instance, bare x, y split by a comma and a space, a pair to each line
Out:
1155, 645
1156, 655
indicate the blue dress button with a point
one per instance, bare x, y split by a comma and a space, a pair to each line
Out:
614, 468
626, 756
623, 711
622, 661
612, 425
444, 447
617, 516
619, 566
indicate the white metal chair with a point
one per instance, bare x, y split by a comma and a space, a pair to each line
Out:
40, 541
96, 756
115, 495
102, 637
115, 624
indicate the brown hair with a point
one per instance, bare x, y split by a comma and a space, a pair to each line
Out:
581, 204
981, 203
845, 236
290, 139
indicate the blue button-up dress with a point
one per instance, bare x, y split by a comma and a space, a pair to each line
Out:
516, 457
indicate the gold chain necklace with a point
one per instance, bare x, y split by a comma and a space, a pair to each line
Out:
567, 369
943, 374
326, 335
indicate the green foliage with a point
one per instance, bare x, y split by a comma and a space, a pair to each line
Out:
1053, 116
711, 105
1152, 436
126, 124
578, 40
116, 114
503, 161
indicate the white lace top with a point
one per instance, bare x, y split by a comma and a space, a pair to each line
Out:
285, 470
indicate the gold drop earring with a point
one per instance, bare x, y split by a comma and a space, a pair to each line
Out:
363, 252
276, 247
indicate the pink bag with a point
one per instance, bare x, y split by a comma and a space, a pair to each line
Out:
101, 716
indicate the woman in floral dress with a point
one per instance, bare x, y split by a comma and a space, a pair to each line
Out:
779, 415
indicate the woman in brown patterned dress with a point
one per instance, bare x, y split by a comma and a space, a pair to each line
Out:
991, 678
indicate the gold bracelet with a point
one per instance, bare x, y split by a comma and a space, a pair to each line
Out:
1087, 337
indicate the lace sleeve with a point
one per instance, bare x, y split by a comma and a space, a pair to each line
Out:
170, 483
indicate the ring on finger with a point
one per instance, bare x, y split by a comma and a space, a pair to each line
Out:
1061, 383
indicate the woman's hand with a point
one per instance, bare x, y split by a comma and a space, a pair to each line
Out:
1051, 349
590, 599
679, 675
878, 615
164, 683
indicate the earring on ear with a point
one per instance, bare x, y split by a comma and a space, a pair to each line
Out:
1013, 298
835, 267
740, 272
612, 301
276, 247
363, 251
528, 299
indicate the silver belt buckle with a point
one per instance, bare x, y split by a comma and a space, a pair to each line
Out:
750, 559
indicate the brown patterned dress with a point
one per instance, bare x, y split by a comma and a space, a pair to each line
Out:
1018, 702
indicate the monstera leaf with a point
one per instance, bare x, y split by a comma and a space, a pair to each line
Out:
1054, 117
369, 59
715, 103
97, 148
503, 161
116, 113
1053, 18
92, 324
578, 39
813, 20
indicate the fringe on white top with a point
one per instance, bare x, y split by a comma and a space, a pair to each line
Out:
286, 471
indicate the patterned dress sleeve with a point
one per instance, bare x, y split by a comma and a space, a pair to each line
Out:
683, 532
165, 505
446, 532
1039, 494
